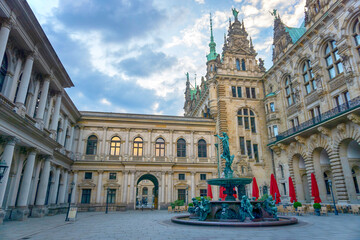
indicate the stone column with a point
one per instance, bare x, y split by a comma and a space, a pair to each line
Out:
24, 84
39, 209
192, 145
35, 183
132, 183
43, 98
69, 143
7, 157
99, 187
15, 183
32, 103
73, 194
125, 187
162, 187
63, 135
149, 144
63, 188
12, 88
170, 153
54, 189
127, 142
4, 36
103, 147
192, 184
48, 113
169, 198
56, 114
80, 141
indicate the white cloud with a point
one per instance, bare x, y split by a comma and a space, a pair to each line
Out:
44, 9
105, 102
200, 1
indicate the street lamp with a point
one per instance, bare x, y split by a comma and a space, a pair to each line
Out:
332, 194
107, 200
69, 200
3, 168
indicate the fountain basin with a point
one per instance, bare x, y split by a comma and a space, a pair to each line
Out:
229, 184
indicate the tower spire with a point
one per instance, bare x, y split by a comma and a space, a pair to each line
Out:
212, 55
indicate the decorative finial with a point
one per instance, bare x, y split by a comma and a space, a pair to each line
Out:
275, 14
187, 76
235, 13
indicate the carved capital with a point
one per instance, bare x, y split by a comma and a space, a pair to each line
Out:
282, 146
276, 149
301, 140
354, 118
314, 137
341, 127
324, 131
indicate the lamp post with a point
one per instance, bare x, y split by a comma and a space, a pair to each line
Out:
187, 192
332, 194
107, 200
69, 200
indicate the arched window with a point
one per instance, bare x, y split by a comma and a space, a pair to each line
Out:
202, 149
243, 65
138, 147
237, 64
289, 91
145, 191
332, 58
246, 118
327, 185
3, 71
160, 147
353, 172
308, 76
181, 148
282, 171
115, 146
356, 35
91, 145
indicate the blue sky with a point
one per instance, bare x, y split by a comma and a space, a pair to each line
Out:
132, 55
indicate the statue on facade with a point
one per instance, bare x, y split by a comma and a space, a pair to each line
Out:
226, 154
204, 209
226, 212
269, 207
235, 13
275, 14
246, 209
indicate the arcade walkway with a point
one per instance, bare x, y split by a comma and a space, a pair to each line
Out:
157, 225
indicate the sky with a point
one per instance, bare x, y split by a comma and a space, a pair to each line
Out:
131, 56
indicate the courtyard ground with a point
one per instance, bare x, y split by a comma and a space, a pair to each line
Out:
157, 225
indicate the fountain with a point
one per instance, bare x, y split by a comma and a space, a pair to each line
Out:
231, 212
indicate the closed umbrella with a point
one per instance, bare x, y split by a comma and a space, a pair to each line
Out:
209, 192
274, 190
292, 193
255, 189
315, 189
222, 195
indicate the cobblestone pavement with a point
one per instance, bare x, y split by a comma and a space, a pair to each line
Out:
157, 225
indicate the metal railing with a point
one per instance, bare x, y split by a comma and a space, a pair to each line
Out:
341, 109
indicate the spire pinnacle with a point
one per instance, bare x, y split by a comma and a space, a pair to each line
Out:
212, 55
211, 30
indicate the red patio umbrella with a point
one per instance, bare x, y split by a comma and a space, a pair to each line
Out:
255, 189
315, 189
274, 190
292, 193
222, 195
209, 192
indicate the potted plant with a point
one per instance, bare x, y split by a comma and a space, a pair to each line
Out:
297, 204
317, 208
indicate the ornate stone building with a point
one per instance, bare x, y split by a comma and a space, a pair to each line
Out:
299, 117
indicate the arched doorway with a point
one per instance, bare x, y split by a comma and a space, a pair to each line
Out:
300, 178
349, 152
147, 192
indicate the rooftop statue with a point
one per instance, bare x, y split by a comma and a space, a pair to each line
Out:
187, 76
226, 154
275, 14
235, 13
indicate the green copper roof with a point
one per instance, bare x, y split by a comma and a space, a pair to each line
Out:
193, 93
212, 55
295, 33
270, 94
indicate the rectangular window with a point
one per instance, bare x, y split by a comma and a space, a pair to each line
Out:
240, 121
202, 177
246, 121
88, 175
276, 132
332, 72
253, 94
346, 97
248, 148
248, 92
338, 100
112, 176
242, 145
203, 192
312, 113
253, 127
239, 92
270, 133
272, 107
181, 194
233, 91
85, 196
181, 176
111, 196
284, 188
256, 152
267, 108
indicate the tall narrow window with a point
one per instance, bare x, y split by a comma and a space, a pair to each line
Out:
252, 121
243, 67
181, 194
240, 118
282, 171
237, 64
202, 149
272, 107
332, 58
181, 148
160, 147
246, 118
248, 95
115, 146
276, 132
256, 152
248, 148
327, 185
289, 92
239, 92
3, 71
356, 35
308, 76
346, 97
85, 196
242, 145
253, 93
138, 147
111, 196
233, 91
91, 146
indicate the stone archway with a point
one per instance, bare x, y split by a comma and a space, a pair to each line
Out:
151, 199
300, 178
